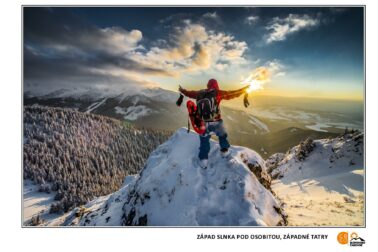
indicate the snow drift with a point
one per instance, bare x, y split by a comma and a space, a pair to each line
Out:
321, 182
172, 190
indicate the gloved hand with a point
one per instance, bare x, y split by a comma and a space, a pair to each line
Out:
245, 100
179, 100
181, 89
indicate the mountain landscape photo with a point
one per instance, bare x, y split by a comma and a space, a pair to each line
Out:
106, 144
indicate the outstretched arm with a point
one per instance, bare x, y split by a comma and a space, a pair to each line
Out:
228, 95
190, 94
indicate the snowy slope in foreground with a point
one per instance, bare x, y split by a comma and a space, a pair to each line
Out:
322, 182
173, 190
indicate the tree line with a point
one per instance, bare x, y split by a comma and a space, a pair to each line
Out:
80, 156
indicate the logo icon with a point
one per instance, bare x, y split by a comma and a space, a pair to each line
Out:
355, 240
342, 238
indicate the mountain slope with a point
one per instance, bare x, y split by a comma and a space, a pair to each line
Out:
79, 156
321, 182
173, 190
289, 137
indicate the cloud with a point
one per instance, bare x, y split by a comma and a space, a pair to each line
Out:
276, 68
280, 28
67, 72
265, 72
194, 48
281, 74
61, 50
119, 40
261, 76
212, 15
251, 20
255, 62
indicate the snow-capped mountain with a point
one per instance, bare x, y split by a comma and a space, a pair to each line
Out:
172, 190
155, 108
144, 107
321, 182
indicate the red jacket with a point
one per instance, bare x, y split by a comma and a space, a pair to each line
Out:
221, 94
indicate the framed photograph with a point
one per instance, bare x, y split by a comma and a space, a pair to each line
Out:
182, 116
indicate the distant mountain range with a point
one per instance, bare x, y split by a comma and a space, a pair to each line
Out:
267, 131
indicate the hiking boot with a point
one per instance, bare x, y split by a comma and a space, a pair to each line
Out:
225, 153
203, 163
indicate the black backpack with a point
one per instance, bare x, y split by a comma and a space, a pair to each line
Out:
207, 105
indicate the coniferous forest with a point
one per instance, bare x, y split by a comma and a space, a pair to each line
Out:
80, 156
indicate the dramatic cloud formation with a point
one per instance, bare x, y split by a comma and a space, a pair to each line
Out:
193, 49
61, 51
127, 48
77, 53
280, 28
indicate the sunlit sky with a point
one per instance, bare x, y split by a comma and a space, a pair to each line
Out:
308, 52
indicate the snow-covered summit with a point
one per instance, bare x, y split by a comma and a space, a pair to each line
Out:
317, 158
173, 190
321, 182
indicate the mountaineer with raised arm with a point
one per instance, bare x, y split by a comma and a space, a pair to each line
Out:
206, 116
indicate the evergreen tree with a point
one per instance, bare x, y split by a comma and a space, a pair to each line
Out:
81, 156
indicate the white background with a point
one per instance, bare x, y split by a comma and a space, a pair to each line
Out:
15, 238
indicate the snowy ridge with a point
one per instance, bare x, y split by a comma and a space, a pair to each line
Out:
172, 190
96, 93
321, 182
95, 105
342, 153
132, 113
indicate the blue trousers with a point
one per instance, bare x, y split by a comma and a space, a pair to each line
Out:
219, 130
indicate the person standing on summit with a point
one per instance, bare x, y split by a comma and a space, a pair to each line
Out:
208, 109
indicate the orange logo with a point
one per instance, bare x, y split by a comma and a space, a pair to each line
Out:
342, 238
